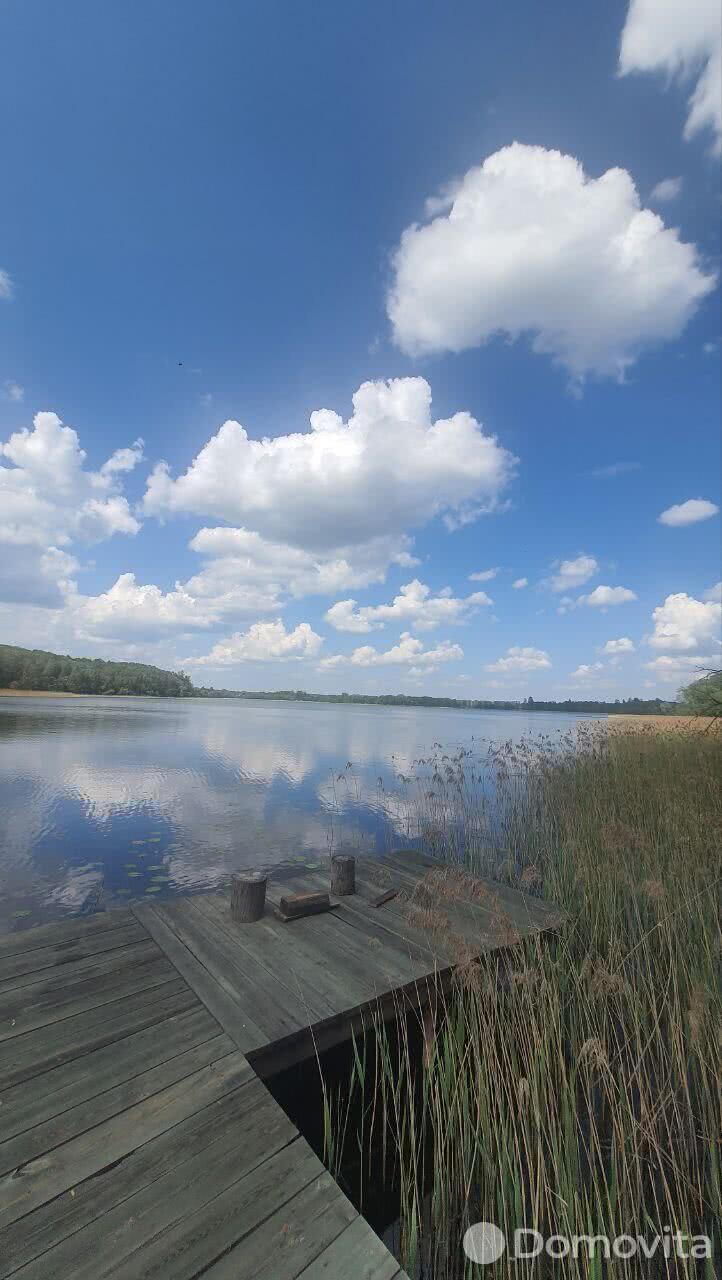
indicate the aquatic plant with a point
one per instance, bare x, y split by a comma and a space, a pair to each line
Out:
572, 1082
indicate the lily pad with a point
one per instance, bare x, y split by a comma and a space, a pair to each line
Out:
19, 915
160, 879
153, 839
153, 888
137, 842
123, 891
130, 866
156, 866
134, 875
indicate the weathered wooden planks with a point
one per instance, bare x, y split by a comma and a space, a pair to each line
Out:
27, 1056
135, 1139
273, 986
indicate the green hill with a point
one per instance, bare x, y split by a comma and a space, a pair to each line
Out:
58, 673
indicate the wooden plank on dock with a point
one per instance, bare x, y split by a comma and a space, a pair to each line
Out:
27, 1056
59, 932
60, 1089
353, 1255
39, 958
215, 995
136, 1141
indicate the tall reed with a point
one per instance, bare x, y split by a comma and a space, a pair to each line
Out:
573, 1084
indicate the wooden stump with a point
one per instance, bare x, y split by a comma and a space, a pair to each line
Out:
343, 875
248, 896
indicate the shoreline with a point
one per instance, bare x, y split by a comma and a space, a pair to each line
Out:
43, 693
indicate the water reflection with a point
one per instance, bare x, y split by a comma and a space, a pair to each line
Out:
130, 797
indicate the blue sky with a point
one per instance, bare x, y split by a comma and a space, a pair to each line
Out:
242, 213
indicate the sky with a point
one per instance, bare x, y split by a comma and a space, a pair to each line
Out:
364, 347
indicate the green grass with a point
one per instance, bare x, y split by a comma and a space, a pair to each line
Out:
573, 1084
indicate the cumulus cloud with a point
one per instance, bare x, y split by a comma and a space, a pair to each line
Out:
714, 593
6, 285
408, 652
238, 560
123, 459
617, 647
484, 575
529, 244
667, 189
48, 501
689, 512
681, 39
603, 597
684, 623
132, 609
262, 642
587, 671
13, 392
521, 658
573, 573
389, 468
414, 605
520, 583
682, 669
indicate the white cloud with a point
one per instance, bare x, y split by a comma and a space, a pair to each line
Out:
238, 559
484, 575
689, 512
341, 484
519, 658
520, 583
529, 244
587, 671
683, 39
414, 605
683, 623
123, 459
573, 573
262, 642
667, 189
131, 609
714, 593
48, 501
616, 647
602, 597
615, 469
13, 392
6, 285
681, 667
408, 651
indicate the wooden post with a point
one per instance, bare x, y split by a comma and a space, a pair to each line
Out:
248, 896
343, 874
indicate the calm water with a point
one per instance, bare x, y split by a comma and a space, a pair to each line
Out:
106, 799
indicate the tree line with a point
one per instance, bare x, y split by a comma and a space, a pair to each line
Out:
37, 669
626, 706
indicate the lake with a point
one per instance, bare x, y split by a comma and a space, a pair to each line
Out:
106, 799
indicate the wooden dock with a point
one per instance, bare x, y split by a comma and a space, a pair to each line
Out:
137, 1140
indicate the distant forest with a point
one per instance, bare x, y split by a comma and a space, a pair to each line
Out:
57, 673
626, 706
36, 669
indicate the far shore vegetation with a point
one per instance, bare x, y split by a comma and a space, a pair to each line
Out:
571, 1083
38, 671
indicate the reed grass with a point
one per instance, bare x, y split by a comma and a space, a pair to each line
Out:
573, 1083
